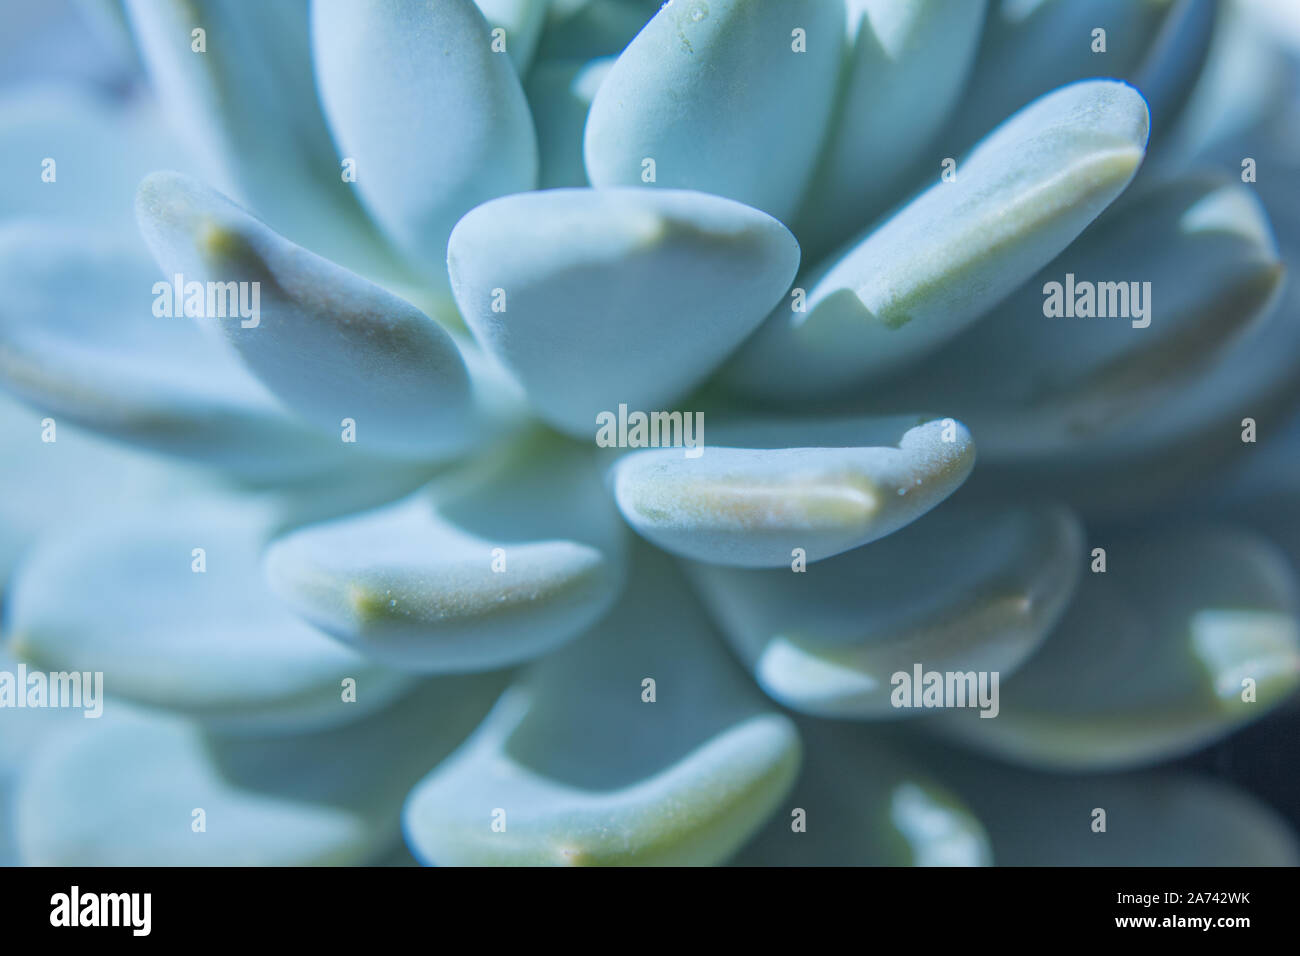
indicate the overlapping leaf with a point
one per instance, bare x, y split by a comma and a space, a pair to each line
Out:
761, 490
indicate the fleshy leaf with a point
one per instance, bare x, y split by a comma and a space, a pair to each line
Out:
1186, 636
1180, 446
25, 732
100, 150
956, 250
247, 102
1247, 81
906, 66
1051, 43
722, 100
666, 755
1152, 819
330, 344
124, 793
1218, 272
496, 563
78, 340
863, 804
436, 122
169, 604
77, 477
960, 589
55, 41
753, 495
1175, 59
646, 294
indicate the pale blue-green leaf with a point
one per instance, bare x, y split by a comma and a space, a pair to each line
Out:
436, 122
107, 20
596, 297
952, 253
52, 41
1179, 445
587, 769
247, 104
1032, 46
758, 492
907, 63
128, 594
77, 477
1247, 80
722, 99
99, 151
24, 733
560, 94
354, 486
495, 563
522, 22
960, 589
330, 344
1152, 819
861, 803
1187, 635
1177, 54
1037, 385
79, 341
125, 793
500, 402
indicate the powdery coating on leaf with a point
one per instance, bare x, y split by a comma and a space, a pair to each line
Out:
491, 566
716, 95
749, 507
247, 107
123, 791
1035, 386
78, 341
213, 644
954, 251
329, 343
960, 589
1150, 661
44, 487
647, 294
436, 121
906, 65
602, 777
887, 810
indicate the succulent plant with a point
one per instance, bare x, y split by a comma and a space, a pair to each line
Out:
522, 431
